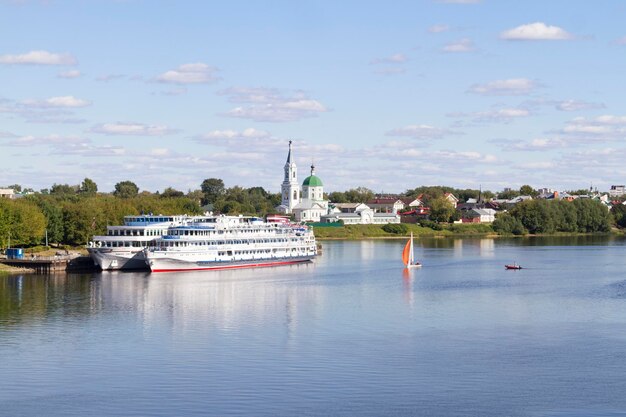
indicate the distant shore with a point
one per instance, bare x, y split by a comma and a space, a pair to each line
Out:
362, 232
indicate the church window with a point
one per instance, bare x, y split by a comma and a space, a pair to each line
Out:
295, 194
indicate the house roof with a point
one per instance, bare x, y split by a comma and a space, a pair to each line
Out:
384, 201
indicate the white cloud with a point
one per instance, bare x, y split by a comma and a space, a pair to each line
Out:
601, 128
537, 31
420, 132
577, 105
197, 73
249, 133
393, 59
109, 77
269, 105
512, 86
539, 144
463, 45
132, 129
62, 101
69, 74
38, 58
7, 134
438, 28
51, 140
504, 115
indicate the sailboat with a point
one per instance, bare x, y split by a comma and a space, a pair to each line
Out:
407, 255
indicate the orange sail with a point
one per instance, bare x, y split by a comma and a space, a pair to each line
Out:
406, 253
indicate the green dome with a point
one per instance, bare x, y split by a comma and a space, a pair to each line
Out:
312, 181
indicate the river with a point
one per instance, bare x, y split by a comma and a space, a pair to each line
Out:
352, 334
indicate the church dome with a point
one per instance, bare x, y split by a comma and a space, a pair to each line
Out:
312, 181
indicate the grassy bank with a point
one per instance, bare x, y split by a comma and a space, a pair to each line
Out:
6, 269
370, 231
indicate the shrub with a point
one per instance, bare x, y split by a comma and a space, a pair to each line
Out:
396, 228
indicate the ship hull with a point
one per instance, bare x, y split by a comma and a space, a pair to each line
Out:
174, 265
109, 260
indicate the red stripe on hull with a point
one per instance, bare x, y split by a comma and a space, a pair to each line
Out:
215, 268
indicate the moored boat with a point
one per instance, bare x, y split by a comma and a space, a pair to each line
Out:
122, 246
512, 266
230, 242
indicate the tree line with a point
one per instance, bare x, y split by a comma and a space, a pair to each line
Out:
72, 214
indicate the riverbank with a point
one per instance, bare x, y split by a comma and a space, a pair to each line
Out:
357, 232
6, 269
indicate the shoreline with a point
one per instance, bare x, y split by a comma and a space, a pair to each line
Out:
469, 236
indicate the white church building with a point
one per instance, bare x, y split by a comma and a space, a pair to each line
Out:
307, 202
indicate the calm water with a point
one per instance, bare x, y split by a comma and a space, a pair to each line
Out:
351, 334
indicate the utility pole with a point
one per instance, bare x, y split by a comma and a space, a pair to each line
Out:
46, 238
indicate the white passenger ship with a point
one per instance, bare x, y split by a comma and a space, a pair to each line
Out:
122, 246
228, 242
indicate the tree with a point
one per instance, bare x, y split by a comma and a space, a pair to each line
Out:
195, 195
88, 187
507, 224
337, 197
126, 189
618, 212
169, 192
507, 195
528, 190
441, 210
359, 195
63, 189
21, 220
16, 187
213, 188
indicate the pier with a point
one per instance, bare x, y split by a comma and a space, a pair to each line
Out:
49, 264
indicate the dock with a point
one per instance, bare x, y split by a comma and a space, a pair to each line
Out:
50, 264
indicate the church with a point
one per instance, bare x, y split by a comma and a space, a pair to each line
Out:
307, 202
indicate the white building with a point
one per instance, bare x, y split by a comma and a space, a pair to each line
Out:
312, 206
358, 213
290, 189
617, 190
7, 193
306, 203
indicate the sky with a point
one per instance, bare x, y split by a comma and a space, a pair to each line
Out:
384, 95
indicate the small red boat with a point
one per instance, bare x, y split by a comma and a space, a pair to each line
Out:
513, 266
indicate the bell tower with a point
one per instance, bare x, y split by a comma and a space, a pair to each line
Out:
290, 189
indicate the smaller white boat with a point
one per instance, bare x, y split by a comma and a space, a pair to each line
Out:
407, 255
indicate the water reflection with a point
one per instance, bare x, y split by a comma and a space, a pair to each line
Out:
224, 300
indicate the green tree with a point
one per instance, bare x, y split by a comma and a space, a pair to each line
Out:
359, 195
54, 217
213, 188
507, 195
337, 197
507, 224
528, 190
441, 210
618, 211
592, 216
63, 189
22, 221
16, 187
126, 189
88, 187
169, 192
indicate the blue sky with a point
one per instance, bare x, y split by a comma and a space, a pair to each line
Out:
391, 96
